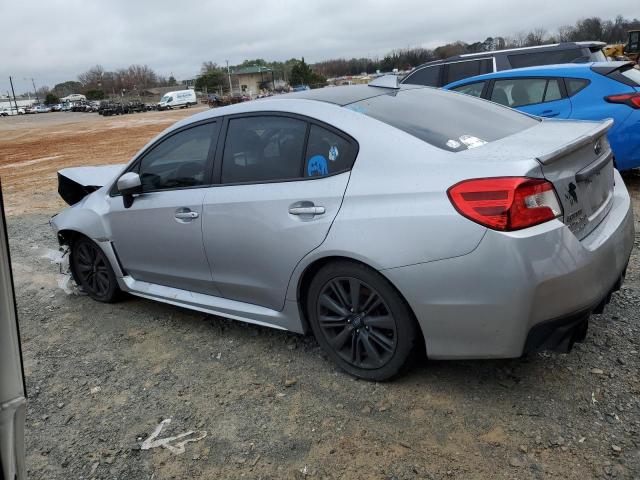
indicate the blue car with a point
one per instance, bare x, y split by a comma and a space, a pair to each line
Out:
586, 91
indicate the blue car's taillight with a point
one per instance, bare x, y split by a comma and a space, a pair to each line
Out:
631, 99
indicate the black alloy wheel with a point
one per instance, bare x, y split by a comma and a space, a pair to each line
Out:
93, 271
361, 321
356, 322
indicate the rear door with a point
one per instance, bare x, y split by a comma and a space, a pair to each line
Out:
544, 97
281, 183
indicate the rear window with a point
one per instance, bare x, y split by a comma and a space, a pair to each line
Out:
549, 57
574, 85
632, 74
443, 119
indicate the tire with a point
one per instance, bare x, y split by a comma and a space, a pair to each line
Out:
371, 335
93, 272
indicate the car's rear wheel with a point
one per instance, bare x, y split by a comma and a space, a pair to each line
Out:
361, 321
93, 271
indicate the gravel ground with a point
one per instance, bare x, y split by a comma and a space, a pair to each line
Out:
102, 377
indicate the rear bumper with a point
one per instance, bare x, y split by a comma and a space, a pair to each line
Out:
486, 303
561, 334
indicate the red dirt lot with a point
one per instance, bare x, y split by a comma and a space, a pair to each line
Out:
33, 148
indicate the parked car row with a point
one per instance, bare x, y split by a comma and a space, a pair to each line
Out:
7, 112
592, 91
108, 109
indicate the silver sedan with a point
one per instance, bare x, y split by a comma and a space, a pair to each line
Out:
386, 220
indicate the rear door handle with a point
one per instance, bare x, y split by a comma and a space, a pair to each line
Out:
550, 113
307, 210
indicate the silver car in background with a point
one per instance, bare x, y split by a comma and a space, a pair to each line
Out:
386, 220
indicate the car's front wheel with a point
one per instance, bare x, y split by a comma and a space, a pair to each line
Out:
361, 321
93, 271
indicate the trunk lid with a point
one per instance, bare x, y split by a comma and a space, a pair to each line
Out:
582, 173
564, 152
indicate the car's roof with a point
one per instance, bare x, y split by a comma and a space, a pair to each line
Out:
344, 95
564, 69
537, 48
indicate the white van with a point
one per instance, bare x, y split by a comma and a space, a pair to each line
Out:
178, 99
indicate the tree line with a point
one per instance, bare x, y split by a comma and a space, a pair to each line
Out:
97, 83
592, 28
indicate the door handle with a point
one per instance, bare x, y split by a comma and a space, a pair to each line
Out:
189, 215
550, 113
306, 210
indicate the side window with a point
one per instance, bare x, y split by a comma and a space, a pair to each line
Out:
473, 89
263, 148
179, 161
574, 85
549, 57
468, 68
428, 76
553, 90
327, 153
517, 92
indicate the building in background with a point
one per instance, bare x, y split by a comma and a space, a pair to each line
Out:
252, 80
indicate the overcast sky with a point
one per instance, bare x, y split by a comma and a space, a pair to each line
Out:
55, 40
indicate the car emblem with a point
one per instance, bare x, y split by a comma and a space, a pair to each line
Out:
571, 194
597, 147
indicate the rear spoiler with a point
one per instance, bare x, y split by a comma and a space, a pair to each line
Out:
605, 68
614, 70
589, 137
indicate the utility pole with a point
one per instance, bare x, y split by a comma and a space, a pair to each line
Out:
34, 90
229, 76
14, 95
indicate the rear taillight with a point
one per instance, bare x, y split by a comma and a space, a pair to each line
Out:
631, 99
506, 203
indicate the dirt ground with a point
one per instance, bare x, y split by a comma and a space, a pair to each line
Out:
102, 377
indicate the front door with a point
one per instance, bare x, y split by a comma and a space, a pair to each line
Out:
159, 238
282, 181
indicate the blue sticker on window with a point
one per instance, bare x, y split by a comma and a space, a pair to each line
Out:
317, 165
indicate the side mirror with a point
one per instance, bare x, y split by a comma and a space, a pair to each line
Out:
128, 185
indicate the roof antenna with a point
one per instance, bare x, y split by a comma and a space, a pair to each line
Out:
386, 81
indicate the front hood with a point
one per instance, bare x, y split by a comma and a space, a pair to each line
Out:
77, 182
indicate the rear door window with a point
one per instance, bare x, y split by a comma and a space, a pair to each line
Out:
467, 68
427, 76
473, 89
518, 92
263, 148
327, 153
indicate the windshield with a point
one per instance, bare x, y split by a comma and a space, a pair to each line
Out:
444, 119
165, 99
